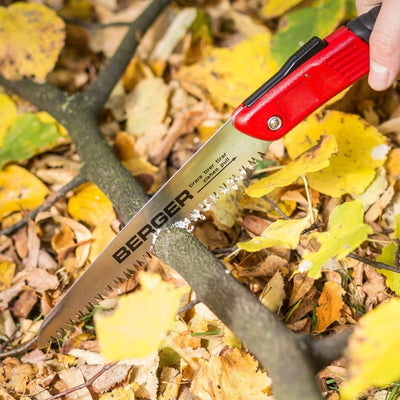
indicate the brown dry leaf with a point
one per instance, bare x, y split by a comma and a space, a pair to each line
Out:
40, 280
302, 284
143, 108
73, 377
124, 146
32, 37
116, 375
329, 305
24, 304
232, 376
274, 293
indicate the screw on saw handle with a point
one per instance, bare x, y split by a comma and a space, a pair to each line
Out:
313, 75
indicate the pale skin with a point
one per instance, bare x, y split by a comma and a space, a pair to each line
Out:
384, 42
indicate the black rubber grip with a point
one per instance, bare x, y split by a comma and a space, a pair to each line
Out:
363, 25
312, 47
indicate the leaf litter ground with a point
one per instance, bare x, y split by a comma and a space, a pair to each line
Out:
198, 78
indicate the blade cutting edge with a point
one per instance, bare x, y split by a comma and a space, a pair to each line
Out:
209, 172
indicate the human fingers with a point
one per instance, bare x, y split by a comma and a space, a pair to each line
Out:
384, 43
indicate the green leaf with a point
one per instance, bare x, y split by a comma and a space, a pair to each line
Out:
374, 350
346, 232
28, 136
298, 26
280, 233
388, 256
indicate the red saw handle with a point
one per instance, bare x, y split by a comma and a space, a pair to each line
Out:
314, 74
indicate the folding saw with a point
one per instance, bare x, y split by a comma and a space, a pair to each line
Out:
314, 74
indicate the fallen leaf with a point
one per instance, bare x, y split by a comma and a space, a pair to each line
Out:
314, 159
274, 8
32, 37
7, 271
361, 150
393, 166
90, 205
280, 233
120, 393
145, 110
154, 308
373, 350
8, 112
232, 376
224, 74
41, 280
102, 236
73, 377
389, 256
20, 190
329, 306
298, 26
346, 232
24, 304
274, 293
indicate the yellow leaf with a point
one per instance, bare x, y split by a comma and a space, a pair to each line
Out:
279, 233
232, 376
102, 236
141, 321
274, 8
90, 205
346, 232
314, 159
8, 112
225, 75
374, 350
19, 190
329, 305
361, 150
32, 37
7, 271
121, 393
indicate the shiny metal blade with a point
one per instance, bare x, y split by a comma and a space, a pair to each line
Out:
209, 172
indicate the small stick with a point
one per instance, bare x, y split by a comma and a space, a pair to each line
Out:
375, 264
275, 207
21, 349
83, 385
51, 200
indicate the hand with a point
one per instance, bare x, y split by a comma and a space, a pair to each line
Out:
384, 42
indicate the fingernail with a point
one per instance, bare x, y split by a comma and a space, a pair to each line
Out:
379, 76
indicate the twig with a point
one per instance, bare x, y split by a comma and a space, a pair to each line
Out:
310, 210
82, 385
21, 349
52, 199
275, 207
97, 25
9, 340
375, 264
188, 306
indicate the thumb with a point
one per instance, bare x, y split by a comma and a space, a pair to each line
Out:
385, 46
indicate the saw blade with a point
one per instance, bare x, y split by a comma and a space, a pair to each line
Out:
216, 166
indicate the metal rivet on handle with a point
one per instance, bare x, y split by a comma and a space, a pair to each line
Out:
274, 123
